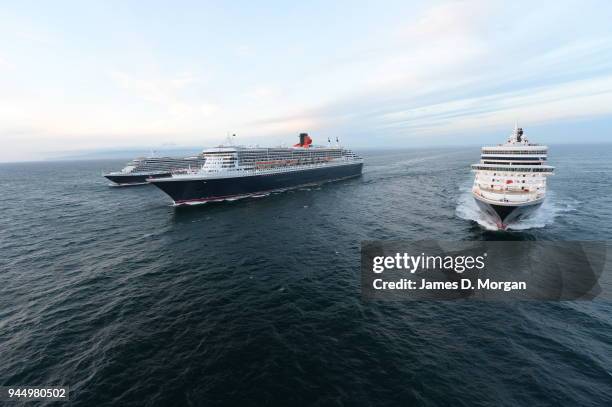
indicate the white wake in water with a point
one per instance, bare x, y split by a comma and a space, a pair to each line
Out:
551, 208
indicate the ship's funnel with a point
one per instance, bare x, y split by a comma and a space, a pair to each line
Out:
305, 140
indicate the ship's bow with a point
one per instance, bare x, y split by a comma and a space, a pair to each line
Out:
505, 214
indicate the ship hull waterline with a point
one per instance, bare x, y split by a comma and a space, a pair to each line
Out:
196, 191
505, 215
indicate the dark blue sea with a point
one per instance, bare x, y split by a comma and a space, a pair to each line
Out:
132, 302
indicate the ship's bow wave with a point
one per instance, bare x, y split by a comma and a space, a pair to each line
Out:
552, 207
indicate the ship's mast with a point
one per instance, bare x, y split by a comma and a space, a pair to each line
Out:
517, 135
230, 139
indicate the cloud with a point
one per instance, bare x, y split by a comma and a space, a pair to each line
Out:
169, 93
393, 73
4, 64
450, 20
466, 65
245, 51
286, 125
441, 40
261, 92
162, 91
574, 100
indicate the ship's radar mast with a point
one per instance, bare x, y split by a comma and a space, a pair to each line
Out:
229, 139
517, 136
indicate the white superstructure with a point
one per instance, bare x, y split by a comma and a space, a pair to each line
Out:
137, 171
512, 173
237, 161
155, 165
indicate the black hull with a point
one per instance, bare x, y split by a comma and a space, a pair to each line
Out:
127, 179
190, 191
503, 215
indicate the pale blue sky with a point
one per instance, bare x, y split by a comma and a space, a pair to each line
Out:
86, 75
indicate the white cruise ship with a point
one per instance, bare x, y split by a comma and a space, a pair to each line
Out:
510, 181
139, 170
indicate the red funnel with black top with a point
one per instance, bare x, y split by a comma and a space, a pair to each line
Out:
305, 141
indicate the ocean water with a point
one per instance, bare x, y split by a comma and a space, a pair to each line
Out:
132, 302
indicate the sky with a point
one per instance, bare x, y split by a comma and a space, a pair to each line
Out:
93, 75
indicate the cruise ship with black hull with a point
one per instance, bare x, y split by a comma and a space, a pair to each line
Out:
510, 181
236, 172
139, 170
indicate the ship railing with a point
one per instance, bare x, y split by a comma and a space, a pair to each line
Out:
223, 172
